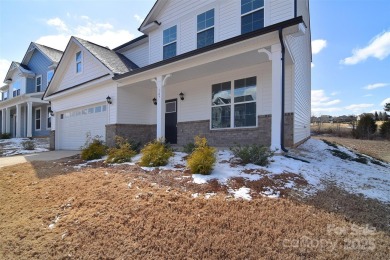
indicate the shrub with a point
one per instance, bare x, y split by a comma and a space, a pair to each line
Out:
155, 153
28, 145
384, 130
123, 152
5, 136
202, 159
93, 148
365, 128
189, 148
256, 154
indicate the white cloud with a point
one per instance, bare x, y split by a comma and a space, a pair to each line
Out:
376, 85
378, 47
322, 104
4, 66
317, 46
312, 65
138, 18
387, 100
100, 33
334, 93
358, 108
58, 24
368, 95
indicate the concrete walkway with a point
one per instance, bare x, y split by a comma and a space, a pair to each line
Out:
45, 156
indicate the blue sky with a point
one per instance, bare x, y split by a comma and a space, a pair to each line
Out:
351, 42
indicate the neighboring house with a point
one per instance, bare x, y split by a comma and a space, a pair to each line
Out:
23, 112
218, 69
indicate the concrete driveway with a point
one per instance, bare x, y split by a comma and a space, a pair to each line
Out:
45, 156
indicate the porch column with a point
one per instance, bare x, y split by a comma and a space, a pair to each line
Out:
29, 119
3, 119
160, 84
276, 97
8, 120
18, 120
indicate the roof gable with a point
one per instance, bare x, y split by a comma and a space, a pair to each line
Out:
152, 15
23, 69
53, 55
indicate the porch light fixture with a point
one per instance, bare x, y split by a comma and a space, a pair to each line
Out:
51, 112
181, 95
109, 100
154, 101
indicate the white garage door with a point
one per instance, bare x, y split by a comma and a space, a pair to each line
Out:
73, 126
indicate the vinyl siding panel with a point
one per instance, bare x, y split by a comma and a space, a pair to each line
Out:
30, 87
139, 54
229, 19
280, 10
39, 65
44, 131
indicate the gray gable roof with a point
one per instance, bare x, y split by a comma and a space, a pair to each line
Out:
115, 62
53, 54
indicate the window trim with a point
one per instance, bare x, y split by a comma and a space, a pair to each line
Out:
17, 91
172, 42
48, 118
36, 83
232, 106
36, 119
81, 62
205, 29
47, 77
251, 12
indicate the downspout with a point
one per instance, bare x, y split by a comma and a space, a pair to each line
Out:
283, 91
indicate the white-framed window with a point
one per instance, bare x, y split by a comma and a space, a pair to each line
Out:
38, 119
234, 106
38, 83
4, 95
252, 15
50, 74
48, 123
205, 28
16, 88
79, 62
170, 107
170, 42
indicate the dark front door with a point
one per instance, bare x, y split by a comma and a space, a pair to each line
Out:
171, 121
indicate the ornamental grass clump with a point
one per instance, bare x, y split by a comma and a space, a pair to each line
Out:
94, 148
123, 152
155, 153
256, 154
202, 159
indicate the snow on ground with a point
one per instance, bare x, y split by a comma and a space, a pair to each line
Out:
14, 146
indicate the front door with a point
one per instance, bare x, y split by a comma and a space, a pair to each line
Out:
171, 121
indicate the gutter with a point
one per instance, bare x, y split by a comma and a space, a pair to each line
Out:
283, 91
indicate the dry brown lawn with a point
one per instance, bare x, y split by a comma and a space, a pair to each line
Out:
96, 214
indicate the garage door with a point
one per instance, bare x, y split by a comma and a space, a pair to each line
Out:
74, 125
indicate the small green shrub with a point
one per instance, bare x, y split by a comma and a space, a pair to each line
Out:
93, 148
189, 148
5, 136
155, 153
202, 159
256, 154
384, 130
28, 145
123, 152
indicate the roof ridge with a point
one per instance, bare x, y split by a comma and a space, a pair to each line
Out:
105, 47
47, 47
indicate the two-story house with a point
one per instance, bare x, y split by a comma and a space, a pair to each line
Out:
23, 112
234, 71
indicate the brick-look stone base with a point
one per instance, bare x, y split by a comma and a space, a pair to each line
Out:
228, 137
52, 140
139, 133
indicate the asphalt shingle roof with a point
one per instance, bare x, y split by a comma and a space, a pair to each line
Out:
53, 54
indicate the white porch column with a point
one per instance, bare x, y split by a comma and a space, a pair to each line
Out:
8, 120
160, 84
29, 119
3, 119
18, 120
276, 97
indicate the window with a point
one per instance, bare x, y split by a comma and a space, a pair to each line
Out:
5, 95
38, 84
79, 62
252, 15
205, 29
50, 74
48, 118
16, 88
169, 42
170, 107
237, 106
37, 119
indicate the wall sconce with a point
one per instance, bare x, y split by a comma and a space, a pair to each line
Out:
154, 101
181, 95
51, 112
109, 100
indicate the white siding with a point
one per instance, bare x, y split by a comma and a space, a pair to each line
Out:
92, 69
229, 19
280, 10
139, 54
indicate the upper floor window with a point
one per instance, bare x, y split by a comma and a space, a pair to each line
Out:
16, 88
38, 84
4, 95
252, 15
50, 74
169, 42
79, 62
205, 29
